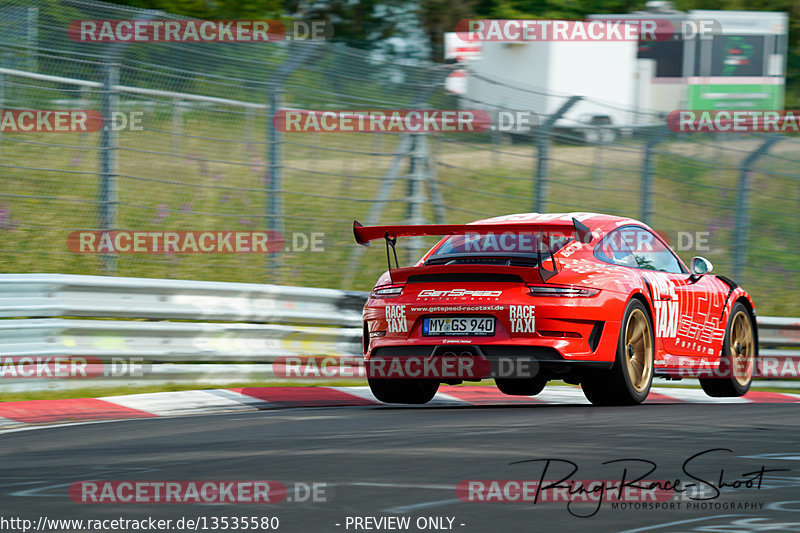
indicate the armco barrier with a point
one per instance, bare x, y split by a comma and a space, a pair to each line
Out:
174, 320
176, 324
779, 347
60, 295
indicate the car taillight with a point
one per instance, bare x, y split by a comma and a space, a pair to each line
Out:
387, 291
562, 290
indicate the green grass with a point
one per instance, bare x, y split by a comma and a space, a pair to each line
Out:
200, 181
99, 392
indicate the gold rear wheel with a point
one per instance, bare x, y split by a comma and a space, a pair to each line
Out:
639, 350
628, 381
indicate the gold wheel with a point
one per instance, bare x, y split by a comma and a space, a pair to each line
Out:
639, 350
740, 347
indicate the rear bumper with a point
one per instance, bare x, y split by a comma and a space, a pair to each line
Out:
479, 362
597, 345
572, 329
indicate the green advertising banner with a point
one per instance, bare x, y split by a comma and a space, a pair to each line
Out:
735, 96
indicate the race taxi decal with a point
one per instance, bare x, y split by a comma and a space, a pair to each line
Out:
522, 318
396, 319
667, 305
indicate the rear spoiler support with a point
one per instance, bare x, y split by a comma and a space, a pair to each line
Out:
390, 242
544, 272
582, 233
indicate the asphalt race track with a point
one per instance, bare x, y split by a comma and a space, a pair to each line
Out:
406, 461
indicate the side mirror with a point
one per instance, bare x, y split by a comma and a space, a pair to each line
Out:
700, 266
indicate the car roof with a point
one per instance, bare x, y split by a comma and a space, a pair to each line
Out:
595, 221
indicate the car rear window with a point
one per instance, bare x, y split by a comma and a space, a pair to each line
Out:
500, 244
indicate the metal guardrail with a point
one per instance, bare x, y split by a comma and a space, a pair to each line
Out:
779, 348
174, 320
63, 295
172, 341
182, 326
774, 331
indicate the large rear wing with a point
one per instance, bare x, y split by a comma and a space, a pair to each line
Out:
560, 228
365, 234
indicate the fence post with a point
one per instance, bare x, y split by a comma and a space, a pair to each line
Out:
299, 53
2, 101
274, 179
109, 193
415, 193
3, 78
653, 138
543, 153
743, 206
177, 125
109, 104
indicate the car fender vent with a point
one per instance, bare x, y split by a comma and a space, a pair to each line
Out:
594, 336
465, 277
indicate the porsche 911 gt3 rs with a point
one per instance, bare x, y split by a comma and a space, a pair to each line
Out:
596, 300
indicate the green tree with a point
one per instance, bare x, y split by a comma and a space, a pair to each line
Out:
213, 9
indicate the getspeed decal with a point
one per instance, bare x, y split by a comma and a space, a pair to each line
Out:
432, 293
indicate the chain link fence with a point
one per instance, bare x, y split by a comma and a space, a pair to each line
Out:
208, 158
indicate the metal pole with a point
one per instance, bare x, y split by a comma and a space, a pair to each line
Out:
274, 180
543, 153
177, 124
439, 210
2, 102
743, 207
654, 137
3, 62
109, 193
109, 104
299, 53
415, 195
542, 167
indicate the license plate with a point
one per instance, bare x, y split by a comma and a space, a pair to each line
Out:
453, 326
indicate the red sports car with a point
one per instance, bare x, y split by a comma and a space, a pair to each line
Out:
596, 300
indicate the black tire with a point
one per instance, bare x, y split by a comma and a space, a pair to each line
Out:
410, 391
732, 379
520, 386
629, 380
